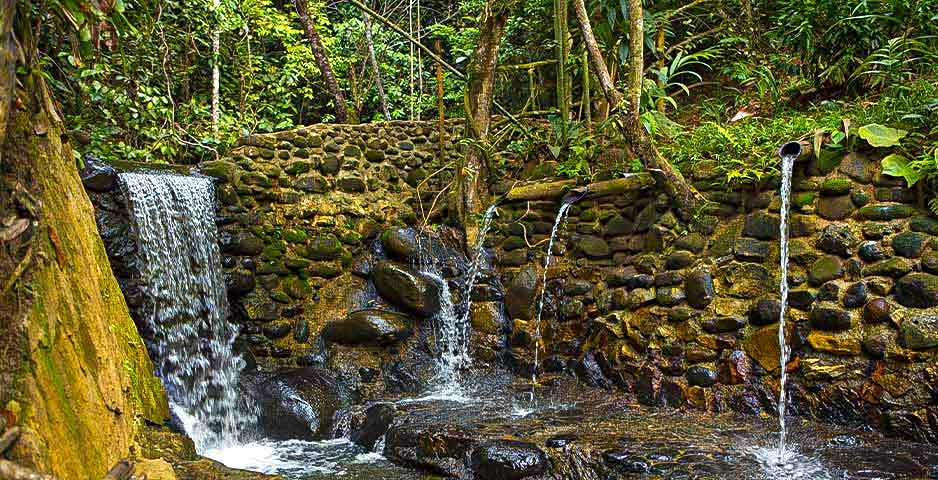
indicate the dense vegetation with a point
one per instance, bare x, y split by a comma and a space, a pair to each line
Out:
724, 80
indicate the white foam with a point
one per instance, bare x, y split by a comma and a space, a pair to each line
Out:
788, 463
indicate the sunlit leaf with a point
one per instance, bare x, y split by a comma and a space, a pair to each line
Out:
896, 165
881, 136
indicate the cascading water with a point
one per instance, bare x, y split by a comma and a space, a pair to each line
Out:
558, 222
788, 154
782, 460
180, 264
478, 251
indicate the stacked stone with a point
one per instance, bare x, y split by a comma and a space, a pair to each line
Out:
298, 211
686, 314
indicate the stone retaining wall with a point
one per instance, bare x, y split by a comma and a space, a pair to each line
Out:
685, 315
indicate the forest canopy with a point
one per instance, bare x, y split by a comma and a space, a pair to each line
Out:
721, 80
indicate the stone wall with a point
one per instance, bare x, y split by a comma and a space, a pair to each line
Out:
685, 315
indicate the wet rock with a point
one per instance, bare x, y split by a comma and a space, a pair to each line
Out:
350, 184
639, 297
666, 279
378, 418
404, 287
924, 224
877, 310
825, 269
765, 312
835, 208
297, 404
626, 463
239, 282
589, 372
870, 252
930, 262
837, 239
919, 332
835, 186
507, 460
892, 267
439, 448
618, 225
830, 319
885, 211
98, 176
834, 344
693, 242
751, 250
312, 183
400, 243
274, 331
679, 260
669, 296
724, 324
762, 345
325, 247
698, 286
368, 327
245, 243
918, 290
876, 342
762, 225
522, 291
909, 244
300, 330
855, 296
700, 376
592, 247
829, 292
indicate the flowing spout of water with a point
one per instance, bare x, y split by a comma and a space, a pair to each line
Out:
478, 251
789, 152
180, 264
558, 223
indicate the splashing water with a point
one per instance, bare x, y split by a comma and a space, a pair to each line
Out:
558, 222
478, 251
180, 265
788, 162
452, 337
782, 460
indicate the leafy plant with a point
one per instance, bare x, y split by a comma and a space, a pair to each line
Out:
880, 136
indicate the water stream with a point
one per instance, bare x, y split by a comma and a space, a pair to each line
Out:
788, 162
191, 344
558, 222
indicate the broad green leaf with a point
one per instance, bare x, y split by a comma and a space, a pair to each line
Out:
881, 136
896, 165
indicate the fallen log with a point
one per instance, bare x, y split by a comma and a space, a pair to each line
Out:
540, 191
616, 186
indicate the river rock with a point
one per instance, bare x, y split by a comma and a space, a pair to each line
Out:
724, 324
368, 327
871, 251
918, 290
698, 286
835, 208
440, 448
919, 332
401, 285
378, 418
877, 310
886, 211
507, 460
763, 226
400, 243
700, 376
909, 244
98, 176
522, 292
830, 319
855, 296
592, 247
892, 267
765, 312
297, 403
837, 239
825, 269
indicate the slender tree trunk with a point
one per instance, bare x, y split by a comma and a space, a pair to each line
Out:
687, 198
480, 93
322, 59
560, 36
7, 65
374, 64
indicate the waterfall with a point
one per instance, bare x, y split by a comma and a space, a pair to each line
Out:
478, 253
558, 222
788, 162
180, 266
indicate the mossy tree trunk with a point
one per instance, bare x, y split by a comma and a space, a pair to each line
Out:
480, 91
74, 373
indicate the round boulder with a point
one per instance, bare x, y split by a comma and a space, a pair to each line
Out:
406, 288
368, 327
507, 460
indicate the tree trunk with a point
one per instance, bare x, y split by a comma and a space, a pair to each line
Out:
7, 64
687, 198
322, 60
374, 64
480, 95
216, 73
